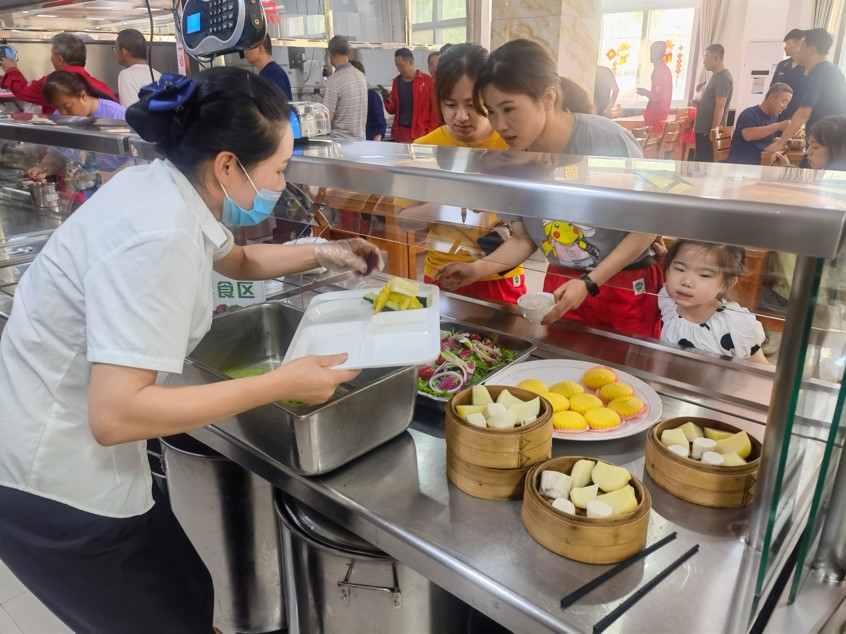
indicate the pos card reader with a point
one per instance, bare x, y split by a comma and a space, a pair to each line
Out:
216, 27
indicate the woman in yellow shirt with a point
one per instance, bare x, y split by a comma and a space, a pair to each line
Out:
464, 126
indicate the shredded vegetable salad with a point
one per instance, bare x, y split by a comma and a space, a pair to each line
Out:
466, 358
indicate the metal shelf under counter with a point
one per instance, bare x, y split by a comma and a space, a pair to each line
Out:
398, 498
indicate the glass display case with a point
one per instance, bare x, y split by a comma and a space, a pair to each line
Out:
417, 202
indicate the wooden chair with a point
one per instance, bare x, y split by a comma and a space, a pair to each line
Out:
670, 140
641, 135
683, 114
721, 142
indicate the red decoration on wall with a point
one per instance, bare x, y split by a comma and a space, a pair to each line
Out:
271, 13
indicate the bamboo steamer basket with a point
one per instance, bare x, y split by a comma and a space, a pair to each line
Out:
589, 540
690, 480
484, 482
517, 448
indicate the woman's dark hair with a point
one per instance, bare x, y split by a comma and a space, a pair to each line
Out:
231, 110
830, 133
457, 61
64, 82
731, 260
524, 67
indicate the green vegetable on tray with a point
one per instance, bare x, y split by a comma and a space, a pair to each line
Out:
466, 359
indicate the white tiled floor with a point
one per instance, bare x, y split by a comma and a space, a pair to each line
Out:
21, 612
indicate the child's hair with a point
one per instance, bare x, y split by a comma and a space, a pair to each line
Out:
67, 83
731, 261
526, 68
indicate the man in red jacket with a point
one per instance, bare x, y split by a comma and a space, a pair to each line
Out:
410, 101
67, 53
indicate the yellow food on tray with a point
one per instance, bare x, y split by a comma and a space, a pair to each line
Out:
602, 418
614, 390
569, 421
533, 385
596, 377
627, 407
397, 294
567, 388
559, 403
581, 403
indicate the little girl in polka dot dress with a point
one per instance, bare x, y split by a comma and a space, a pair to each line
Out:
694, 311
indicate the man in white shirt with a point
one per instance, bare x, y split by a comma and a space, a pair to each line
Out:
131, 52
346, 93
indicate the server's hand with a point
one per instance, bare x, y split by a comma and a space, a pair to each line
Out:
312, 379
355, 254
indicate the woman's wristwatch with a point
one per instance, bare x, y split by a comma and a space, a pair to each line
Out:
592, 287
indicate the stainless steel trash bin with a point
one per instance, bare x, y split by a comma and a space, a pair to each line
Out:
227, 513
337, 583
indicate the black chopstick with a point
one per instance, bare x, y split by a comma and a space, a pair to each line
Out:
637, 596
574, 596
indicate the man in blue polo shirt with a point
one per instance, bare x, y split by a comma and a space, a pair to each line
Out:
757, 126
261, 57
825, 88
790, 72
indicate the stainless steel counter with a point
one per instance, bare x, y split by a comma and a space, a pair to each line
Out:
398, 498
16, 222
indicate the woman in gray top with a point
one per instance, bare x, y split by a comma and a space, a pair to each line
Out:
533, 109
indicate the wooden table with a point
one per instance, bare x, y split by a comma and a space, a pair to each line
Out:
630, 123
794, 156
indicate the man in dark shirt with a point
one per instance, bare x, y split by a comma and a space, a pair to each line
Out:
757, 126
605, 91
713, 107
825, 89
410, 100
375, 127
790, 72
260, 57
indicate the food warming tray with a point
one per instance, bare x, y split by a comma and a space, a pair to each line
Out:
523, 348
374, 407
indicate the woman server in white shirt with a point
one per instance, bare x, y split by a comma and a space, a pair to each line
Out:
122, 291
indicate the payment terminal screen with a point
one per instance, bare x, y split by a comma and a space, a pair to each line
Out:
192, 23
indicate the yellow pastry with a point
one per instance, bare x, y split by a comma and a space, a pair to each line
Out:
567, 388
569, 421
614, 390
583, 402
627, 407
533, 385
559, 403
596, 377
602, 418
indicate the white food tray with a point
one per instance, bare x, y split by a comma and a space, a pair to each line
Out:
343, 321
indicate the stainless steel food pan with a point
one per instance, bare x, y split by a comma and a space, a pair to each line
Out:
364, 413
523, 347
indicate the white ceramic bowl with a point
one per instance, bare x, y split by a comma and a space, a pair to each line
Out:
535, 305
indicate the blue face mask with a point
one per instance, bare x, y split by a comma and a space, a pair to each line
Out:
263, 203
